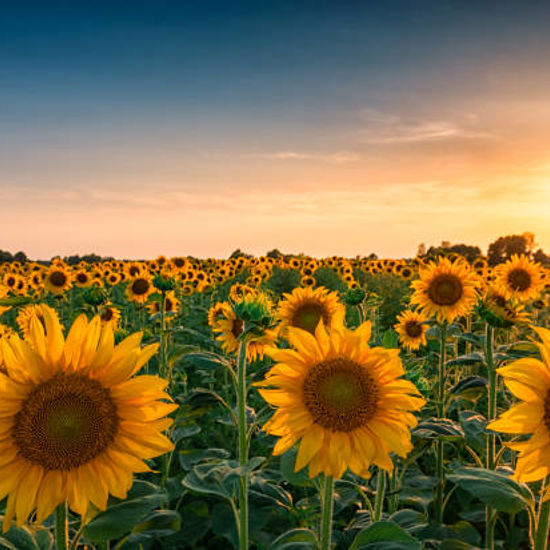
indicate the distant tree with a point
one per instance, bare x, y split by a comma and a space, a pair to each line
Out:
20, 257
240, 254
541, 257
504, 247
467, 251
275, 254
421, 250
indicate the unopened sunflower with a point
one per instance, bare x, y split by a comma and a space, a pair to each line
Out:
345, 402
529, 380
305, 307
446, 290
75, 424
412, 328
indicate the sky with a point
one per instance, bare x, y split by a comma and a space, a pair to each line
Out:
138, 128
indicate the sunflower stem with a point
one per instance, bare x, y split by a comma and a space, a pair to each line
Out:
380, 494
541, 536
490, 513
61, 527
440, 455
242, 446
327, 506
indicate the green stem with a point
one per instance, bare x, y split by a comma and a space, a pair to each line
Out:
490, 513
541, 537
380, 494
327, 507
61, 527
242, 446
440, 455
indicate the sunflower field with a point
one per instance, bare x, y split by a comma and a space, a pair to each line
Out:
283, 403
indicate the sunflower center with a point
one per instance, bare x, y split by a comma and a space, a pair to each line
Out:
519, 279
308, 315
65, 422
340, 394
82, 277
58, 278
140, 286
107, 315
413, 329
445, 290
237, 327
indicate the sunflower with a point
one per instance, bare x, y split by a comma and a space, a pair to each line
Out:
75, 425
109, 315
171, 304
529, 380
345, 401
412, 328
58, 279
519, 278
3, 294
305, 307
496, 310
5, 332
139, 288
446, 289
82, 278
27, 313
224, 321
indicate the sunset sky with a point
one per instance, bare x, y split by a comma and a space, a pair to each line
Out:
138, 128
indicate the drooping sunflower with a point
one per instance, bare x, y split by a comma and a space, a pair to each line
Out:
27, 313
496, 310
75, 424
344, 401
412, 328
519, 278
529, 380
305, 307
58, 279
446, 289
139, 288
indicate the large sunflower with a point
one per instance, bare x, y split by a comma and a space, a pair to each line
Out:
412, 327
446, 289
345, 402
75, 425
519, 278
529, 380
305, 307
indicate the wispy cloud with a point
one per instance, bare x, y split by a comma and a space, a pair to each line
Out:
339, 157
387, 129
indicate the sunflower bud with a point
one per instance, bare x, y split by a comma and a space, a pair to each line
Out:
164, 284
354, 296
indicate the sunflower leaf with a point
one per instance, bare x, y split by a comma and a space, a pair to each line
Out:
384, 534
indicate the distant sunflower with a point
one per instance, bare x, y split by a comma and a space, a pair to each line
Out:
229, 327
446, 290
305, 307
58, 279
520, 278
529, 380
139, 288
345, 402
82, 278
27, 313
171, 304
109, 315
412, 328
3, 294
75, 425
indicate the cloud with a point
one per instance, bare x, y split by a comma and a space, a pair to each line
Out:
340, 157
388, 129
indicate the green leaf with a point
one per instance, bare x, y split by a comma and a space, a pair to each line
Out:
433, 428
390, 339
189, 457
223, 523
301, 478
473, 424
295, 539
119, 519
473, 358
410, 520
471, 387
384, 534
493, 488
161, 523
